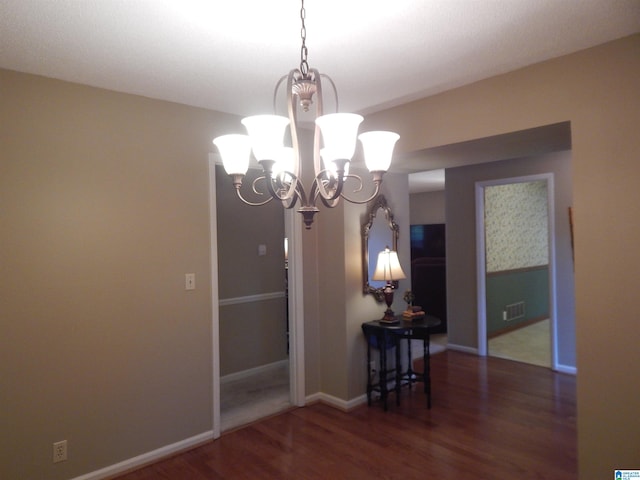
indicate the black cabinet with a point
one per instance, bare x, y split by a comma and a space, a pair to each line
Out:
429, 271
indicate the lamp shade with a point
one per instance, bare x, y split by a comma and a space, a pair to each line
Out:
339, 134
330, 165
235, 150
284, 165
378, 149
388, 267
267, 134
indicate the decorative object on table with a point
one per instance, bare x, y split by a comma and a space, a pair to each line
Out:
412, 312
408, 297
388, 269
282, 165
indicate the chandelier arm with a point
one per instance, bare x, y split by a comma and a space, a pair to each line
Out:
359, 179
253, 204
254, 183
329, 203
302, 194
276, 187
319, 104
360, 202
334, 180
288, 202
332, 196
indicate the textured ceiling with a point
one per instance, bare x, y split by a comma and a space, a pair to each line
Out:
228, 55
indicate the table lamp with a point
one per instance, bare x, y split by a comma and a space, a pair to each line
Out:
388, 269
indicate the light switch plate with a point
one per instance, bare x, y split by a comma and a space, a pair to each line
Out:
189, 281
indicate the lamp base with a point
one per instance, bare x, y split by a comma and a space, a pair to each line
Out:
389, 317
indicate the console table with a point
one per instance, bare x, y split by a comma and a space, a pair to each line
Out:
385, 336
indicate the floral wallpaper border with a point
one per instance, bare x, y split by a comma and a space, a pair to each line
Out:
516, 226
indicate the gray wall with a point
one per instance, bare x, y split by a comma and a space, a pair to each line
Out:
461, 246
427, 208
252, 333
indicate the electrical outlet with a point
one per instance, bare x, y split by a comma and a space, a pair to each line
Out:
372, 367
59, 451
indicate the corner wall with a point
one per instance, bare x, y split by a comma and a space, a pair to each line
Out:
597, 91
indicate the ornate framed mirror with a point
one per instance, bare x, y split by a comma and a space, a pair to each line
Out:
378, 232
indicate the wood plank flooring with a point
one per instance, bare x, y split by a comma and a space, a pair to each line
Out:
491, 419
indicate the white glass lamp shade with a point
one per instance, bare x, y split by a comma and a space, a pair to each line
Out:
235, 150
388, 267
330, 165
284, 163
378, 149
266, 133
339, 133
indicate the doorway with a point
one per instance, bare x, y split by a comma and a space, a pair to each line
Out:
292, 355
516, 269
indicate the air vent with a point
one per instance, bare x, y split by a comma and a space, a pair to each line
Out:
513, 311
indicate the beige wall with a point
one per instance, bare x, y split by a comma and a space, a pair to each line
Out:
104, 208
597, 91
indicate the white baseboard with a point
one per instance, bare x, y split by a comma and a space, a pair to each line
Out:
462, 348
252, 371
344, 405
147, 458
567, 369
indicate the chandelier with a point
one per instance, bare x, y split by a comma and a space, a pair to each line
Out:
281, 165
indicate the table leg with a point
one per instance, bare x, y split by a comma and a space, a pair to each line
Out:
382, 375
398, 369
427, 369
369, 380
410, 372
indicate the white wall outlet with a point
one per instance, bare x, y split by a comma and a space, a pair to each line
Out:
59, 451
262, 250
189, 281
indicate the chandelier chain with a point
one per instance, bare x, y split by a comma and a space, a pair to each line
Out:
304, 66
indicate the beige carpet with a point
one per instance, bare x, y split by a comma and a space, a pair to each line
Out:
531, 344
255, 396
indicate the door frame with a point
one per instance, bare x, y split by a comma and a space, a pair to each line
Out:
482, 267
293, 231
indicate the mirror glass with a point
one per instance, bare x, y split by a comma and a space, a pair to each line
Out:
378, 232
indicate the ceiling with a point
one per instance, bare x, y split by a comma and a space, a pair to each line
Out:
228, 55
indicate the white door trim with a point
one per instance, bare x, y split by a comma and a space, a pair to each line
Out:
293, 230
482, 267
215, 300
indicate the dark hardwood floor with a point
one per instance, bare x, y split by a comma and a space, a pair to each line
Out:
490, 419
